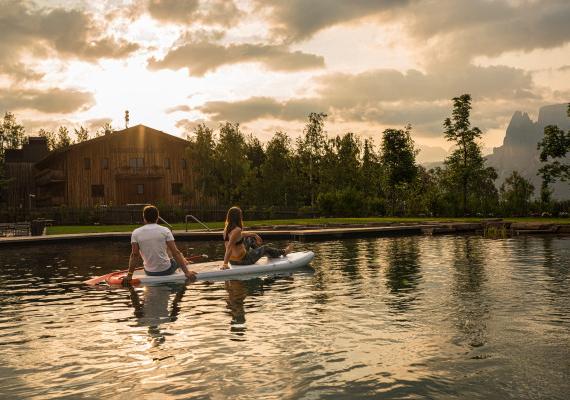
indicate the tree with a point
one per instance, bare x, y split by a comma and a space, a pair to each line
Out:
232, 165
310, 148
398, 159
252, 182
555, 145
466, 161
50, 138
516, 192
104, 130
63, 138
201, 150
12, 134
277, 172
82, 134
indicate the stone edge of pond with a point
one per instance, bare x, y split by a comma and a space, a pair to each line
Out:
314, 233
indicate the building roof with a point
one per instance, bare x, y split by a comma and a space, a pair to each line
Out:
130, 130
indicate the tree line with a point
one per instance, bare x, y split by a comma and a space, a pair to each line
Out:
347, 175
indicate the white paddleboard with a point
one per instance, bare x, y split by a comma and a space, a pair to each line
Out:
212, 270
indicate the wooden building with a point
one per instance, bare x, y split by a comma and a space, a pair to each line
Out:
132, 166
19, 169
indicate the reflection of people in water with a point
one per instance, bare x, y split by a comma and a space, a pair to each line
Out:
237, 293
153, 311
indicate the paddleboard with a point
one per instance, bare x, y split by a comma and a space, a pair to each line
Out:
212, 270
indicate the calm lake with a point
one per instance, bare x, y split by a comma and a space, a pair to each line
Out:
411, 317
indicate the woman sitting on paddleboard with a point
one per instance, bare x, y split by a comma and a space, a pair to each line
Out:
244, 248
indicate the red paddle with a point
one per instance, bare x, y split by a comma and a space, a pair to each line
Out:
98, 279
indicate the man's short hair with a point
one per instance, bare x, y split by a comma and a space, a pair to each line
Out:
150, 214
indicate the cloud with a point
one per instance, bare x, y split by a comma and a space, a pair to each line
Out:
392, 98
188, 12
463, 29
181, 107
92, 125
385, 85
188, 126
260, 107
201, 57
299, 19
446, 29
71, 33
48, 101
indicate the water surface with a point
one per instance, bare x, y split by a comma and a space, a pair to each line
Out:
413, 317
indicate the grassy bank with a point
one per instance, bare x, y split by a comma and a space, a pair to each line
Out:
69, 229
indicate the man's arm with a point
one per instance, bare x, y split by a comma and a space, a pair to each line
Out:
177, 254
135, 260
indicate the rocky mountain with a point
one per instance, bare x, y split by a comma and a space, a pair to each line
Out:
519, 150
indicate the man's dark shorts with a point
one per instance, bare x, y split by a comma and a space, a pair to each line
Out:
169, 271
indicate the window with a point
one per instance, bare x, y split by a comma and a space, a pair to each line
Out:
167, 163
140, 188
97, 190
136, 162
176, 188
183, 164
87, 163
104, 163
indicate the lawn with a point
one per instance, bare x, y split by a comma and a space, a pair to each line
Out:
69, 229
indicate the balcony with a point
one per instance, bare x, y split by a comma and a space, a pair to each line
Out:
49, 177
127, 172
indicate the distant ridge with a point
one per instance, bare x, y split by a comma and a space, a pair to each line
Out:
519, 150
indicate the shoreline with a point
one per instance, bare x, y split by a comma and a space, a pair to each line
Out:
491, 228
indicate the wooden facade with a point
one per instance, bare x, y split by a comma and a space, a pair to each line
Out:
133, 166
19, 169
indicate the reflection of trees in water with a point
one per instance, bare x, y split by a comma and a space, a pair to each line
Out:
472, 302
402, 271
556, 267
152, 309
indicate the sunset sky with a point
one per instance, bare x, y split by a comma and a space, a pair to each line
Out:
267, 64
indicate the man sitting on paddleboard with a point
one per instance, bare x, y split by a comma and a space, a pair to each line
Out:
152, 242
235, 238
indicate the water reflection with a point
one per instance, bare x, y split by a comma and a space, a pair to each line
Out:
483, 319
237, 292
470, 299
402, 272
152, 308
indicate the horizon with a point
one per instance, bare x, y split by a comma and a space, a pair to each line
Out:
266, 65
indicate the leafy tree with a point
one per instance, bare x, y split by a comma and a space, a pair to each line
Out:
277, 172
555, 145
12, 134
310, 149
516, 192
232, 165
82, 134
398, 162
104, 130
63, 138
348, 149
201, 151
484, 194
250, 188
50, 138
466, 161
370, 169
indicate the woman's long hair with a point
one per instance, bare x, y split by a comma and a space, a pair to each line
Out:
234, 218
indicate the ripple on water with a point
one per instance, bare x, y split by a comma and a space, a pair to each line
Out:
433, 317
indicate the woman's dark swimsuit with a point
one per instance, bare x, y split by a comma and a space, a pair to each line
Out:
253, 253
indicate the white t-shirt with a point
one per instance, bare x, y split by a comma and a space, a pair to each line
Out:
152, 239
